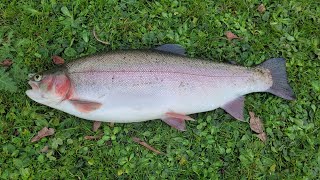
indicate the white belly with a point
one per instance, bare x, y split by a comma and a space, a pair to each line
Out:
128, 105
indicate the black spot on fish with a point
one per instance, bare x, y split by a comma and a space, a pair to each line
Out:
112, 79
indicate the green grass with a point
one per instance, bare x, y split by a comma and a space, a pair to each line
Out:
215, 145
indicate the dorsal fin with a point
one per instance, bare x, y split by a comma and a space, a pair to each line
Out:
172, 48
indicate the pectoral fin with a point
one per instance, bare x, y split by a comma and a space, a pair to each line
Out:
85, 106
235, 108
176, 120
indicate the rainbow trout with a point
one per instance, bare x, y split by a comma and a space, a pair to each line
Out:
140, 85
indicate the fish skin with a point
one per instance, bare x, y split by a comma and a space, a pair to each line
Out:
141, 85
147, 84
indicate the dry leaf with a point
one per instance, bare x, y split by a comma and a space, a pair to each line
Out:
6, 63
135, 139
96, 125
43, 133
261, 8
255, 123
231, 36
262, 136
44, 149
93, 137
57, 60
95, 36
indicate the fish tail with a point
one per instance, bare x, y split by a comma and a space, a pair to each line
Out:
280, 86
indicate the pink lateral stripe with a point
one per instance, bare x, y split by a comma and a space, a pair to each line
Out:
168, 72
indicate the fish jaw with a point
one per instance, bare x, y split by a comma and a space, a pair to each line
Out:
34, 93
38, 96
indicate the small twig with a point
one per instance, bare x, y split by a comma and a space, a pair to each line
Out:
93, 137
135, 139
96, 125
96, 37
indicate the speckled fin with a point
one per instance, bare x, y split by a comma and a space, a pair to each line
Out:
85, 106
172, 48
235, 108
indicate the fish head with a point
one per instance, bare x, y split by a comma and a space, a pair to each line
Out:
49, 87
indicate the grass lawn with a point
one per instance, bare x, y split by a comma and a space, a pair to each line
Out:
215, 145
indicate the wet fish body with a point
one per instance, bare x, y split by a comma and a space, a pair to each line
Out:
140, 85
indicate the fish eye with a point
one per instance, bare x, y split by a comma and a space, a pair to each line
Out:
37, 77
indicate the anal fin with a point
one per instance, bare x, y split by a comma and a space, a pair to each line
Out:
85, 106
235, 108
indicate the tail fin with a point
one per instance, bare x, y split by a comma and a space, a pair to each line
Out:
280, 86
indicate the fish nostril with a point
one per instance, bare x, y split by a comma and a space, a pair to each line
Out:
31, 75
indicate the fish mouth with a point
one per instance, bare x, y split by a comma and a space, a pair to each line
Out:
34, 89
34, 86
34, 92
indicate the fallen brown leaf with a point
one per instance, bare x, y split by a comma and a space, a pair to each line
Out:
43, 133
93, 137
261, 8
44, 149
231, 36
6, 63
255, 123
57, 60
95, 36
262, 136
135, 139
96, 125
